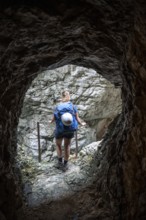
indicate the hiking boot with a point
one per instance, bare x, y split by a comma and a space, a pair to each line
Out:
65, 167
59, 165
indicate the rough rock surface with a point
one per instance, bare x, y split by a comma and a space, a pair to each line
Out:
107, 36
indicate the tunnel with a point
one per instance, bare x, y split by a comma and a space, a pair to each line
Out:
107, 36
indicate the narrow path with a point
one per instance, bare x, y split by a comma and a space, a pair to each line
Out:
54, 194
50, 183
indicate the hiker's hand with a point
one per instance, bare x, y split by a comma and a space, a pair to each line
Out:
83, 123
52, 120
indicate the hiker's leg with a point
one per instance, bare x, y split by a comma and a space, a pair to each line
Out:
59, 149
67, 143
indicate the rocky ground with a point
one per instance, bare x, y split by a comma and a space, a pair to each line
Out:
44, 185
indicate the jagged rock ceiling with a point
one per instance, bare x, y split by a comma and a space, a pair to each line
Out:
108, 36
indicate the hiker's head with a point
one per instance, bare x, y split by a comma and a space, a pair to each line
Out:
65, 96
67, 119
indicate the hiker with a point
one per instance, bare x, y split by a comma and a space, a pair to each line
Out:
66, 124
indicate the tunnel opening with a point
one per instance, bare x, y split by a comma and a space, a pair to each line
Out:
98, 103
96, 39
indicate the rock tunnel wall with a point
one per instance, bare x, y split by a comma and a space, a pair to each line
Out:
134, 155
92, 35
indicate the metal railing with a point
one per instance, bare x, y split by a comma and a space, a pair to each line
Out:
39, 144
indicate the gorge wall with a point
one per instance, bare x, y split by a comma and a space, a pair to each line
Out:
97, 100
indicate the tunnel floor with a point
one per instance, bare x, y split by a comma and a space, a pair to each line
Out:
51, 184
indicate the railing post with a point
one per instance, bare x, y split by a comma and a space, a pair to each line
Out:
39, 145
76, 138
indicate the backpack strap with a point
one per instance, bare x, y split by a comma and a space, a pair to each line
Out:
73, 109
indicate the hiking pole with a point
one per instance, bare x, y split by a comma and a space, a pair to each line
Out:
76, 138
39, 145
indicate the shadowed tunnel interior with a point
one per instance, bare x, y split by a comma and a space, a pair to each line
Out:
107, 36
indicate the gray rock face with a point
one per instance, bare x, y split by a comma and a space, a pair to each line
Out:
97, 100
